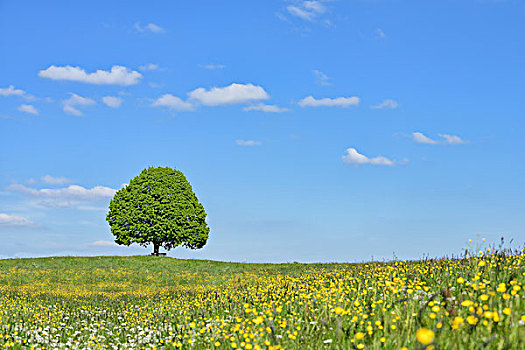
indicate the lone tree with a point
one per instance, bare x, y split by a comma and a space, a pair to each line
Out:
158, 207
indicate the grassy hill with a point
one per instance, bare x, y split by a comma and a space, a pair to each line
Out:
145, 302
128, 273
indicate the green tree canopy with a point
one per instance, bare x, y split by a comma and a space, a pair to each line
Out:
158, 207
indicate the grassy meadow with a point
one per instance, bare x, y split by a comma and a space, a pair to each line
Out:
145, 302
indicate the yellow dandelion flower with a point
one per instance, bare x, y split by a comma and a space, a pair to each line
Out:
339, 310
425, 336
502, 288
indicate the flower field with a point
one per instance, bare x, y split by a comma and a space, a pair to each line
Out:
154, 303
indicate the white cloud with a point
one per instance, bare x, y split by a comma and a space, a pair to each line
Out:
248, 143
213, 66
76, 100
112, 101
386, 104
118, 75
151, 27
173, 102
11, 91
104, 244
310, 101
354, 157
232, 94
420, 138
28, 109
72, 110
452, 139
15, 220
321, 78
74, 192
148, 67
48, 179
301, 13
265, 108
307, 10
448, 139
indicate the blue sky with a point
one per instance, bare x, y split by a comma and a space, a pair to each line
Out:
309, 130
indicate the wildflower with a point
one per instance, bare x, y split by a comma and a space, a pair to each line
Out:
339, 310
467, 303
424, 336
472, 320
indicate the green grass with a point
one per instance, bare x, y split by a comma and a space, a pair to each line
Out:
160, 302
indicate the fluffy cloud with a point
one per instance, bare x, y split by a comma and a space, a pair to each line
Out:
112, 101
307, 10
76, 100
354, 157
310, 101
248, 143
15, 220
265, 108
48, 179
11, 91
448, 139
73, 192
173, 102
150, 27
28, 109
387, 104
232, 94
118, 75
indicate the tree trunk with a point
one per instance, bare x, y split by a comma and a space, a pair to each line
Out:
156, 249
